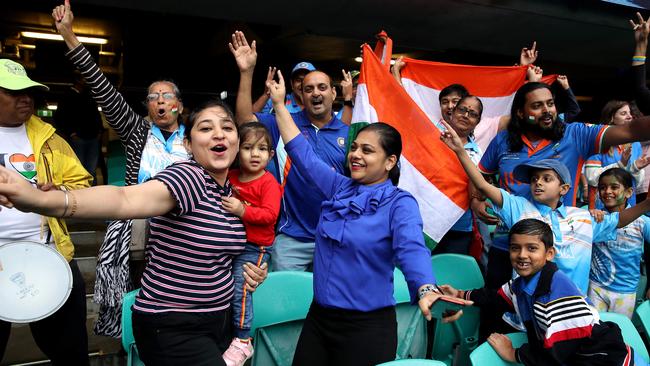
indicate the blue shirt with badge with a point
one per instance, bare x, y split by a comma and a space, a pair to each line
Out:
615, 263
159, 153
301, 200
573, 228
289, 102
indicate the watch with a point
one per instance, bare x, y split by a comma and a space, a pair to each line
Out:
428, 288
348, 103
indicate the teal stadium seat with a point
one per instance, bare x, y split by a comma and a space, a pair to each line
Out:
128, 342
280, 306
455, 341
116, 164
411, 325
630, 334
413, 362
643, 314
485, 355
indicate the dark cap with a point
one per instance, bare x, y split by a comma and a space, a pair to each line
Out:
522, 172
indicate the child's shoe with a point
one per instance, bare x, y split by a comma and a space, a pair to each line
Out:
239, 351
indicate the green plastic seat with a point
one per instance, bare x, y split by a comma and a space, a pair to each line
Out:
411, 325
280, 306
413, 362
485, 355
630, 334
116, 164
642, 313
128, 341
454, 341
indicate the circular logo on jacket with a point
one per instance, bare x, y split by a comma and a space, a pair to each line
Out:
341, 141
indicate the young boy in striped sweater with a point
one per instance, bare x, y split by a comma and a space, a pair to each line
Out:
562, 328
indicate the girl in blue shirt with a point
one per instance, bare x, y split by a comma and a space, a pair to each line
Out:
366, 226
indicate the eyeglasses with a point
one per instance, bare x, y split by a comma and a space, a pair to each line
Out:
464, 110
154, 96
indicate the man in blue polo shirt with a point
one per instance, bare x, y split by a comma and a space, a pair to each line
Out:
293, 249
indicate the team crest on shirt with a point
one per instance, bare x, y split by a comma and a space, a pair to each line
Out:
341, 141
25, 165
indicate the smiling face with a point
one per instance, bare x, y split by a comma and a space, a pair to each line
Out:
254, 153
367, 159
15, 107
318, 96
539, 110
466, 116
546, 187
528, 255
214, 142
612, 193
447, 105
622, 116
163, 106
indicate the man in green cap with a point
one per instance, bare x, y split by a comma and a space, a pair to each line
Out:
30, 147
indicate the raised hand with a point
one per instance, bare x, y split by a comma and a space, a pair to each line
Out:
534, 73
397, 67
269, 77
277, 89
528, 56
245, 54
641, 29
451, 139
625, 155
63, 17
564, 82
346, 85
642, 162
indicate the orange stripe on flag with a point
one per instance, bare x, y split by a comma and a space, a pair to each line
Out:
421, 139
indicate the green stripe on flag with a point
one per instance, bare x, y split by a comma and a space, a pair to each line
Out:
430, 243
352, 134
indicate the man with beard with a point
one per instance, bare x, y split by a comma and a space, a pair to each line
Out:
293, 248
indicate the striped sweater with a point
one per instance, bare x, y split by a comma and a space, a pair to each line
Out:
562, 328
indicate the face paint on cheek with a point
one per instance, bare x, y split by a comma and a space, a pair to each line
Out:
175, 109
531, 120
621, 198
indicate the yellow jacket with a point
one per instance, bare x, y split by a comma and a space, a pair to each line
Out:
56, 163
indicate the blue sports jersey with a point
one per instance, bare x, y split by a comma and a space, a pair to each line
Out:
301, 200
612, 157
615, 263
573, 228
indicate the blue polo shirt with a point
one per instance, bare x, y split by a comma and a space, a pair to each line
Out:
301, 201
580, 141
289, 102
574, 232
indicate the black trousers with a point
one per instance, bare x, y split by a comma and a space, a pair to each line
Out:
345, 337
62, 336
457, 242
185, 339
499, 271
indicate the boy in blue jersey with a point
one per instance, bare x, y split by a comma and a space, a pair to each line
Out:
549, 180
615, 273
562, 328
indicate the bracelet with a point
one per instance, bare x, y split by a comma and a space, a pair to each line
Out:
638, 58
74, 205
428, 288
65, 207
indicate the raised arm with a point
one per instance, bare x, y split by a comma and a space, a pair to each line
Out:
347, 89
261, 102
396, 69
451, 139
572, 106
101, 202
628, 215
528, 56
246, 57
641, 91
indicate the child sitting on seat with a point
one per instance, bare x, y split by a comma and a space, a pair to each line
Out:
615, 273
562, 328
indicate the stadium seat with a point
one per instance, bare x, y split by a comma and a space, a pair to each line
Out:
485, 355
411, 325
280, 306
128, 342
643, 314
457, 339
413, 362
630, 334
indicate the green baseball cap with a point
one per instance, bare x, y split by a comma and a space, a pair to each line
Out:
14, 77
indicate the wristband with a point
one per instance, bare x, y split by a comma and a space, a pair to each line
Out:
428, 288
638, 58
348, 103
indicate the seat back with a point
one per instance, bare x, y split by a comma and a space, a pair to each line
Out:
643, 314
630, 334
413, 362
280, 306
463, 273
411, 325
485, 355
128, 341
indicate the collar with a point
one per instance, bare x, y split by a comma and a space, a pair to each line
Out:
545, 279
333, 124
545, 209
472, 145
533, 149
530, 285
155, 130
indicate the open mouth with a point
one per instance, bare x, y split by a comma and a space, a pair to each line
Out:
219, 148
538, 191
161, 112
523, 265
317, 102
355, 165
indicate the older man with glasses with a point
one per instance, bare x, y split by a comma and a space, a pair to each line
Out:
152, 143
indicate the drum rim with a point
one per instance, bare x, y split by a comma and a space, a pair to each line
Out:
69, 287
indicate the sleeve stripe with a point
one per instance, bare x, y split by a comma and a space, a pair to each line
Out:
568, 334
599, 139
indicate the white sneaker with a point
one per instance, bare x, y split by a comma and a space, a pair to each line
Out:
239, 351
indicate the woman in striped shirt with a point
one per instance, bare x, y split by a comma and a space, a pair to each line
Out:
181, 314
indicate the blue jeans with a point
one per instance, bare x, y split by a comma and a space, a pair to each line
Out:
291, 254
242, 301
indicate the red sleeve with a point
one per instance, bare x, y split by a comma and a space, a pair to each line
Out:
268, 209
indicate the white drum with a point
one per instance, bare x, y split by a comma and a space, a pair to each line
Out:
35, 281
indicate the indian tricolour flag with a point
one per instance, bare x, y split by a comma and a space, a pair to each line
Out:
429, 169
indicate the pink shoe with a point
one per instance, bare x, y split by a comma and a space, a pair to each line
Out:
239, 351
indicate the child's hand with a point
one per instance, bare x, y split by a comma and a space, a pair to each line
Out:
598, 215
625, 155
642, 162
450, 291
451, 139
503, 346
277, 90
233, 205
